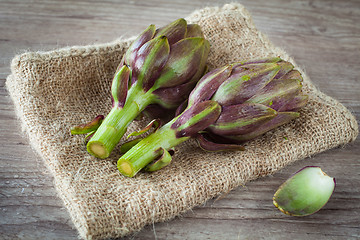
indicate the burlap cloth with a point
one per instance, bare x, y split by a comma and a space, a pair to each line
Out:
55, 90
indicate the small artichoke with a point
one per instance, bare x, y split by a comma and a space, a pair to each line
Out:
228, 106
255, 97
160, 68
168, 61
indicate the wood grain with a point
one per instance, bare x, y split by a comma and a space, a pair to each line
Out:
323, 36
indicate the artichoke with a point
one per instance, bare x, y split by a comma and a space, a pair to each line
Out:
160, 68
255, 97
228, 106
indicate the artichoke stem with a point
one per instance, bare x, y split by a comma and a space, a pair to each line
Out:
148, 149
114, 126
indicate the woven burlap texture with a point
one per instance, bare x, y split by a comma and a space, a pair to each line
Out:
53, 91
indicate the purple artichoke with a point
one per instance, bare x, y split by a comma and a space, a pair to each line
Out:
161, 67
255, 97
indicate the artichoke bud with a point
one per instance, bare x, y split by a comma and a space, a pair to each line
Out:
158, 58
245, 81
196, 118
174, 31
237, 102
150, 59
119, 86
242, 119
182, 63
304, 193
144, 37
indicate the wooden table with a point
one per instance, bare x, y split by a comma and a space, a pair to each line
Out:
322, 36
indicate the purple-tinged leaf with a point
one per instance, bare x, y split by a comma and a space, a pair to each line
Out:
88, 127
210, 146
119, 87
172, 96
181, 108
294, 74
156, 123
277, 93
257, 61
144, 37
285, 67
241, 119
295, 103
150, 60
208, 84
201, 66
194, 30
161, 162
280, 119
196, 118
174, 31
244, 83
183, 62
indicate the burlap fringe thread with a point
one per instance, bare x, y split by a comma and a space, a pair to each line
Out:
55, 90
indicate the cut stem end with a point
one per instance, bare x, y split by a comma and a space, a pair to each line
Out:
98, 150
125, 168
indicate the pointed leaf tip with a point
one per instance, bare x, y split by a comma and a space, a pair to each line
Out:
144, 37
194, 30
174, 31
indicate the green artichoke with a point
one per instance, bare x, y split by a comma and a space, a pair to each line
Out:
160, 68
228, 106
